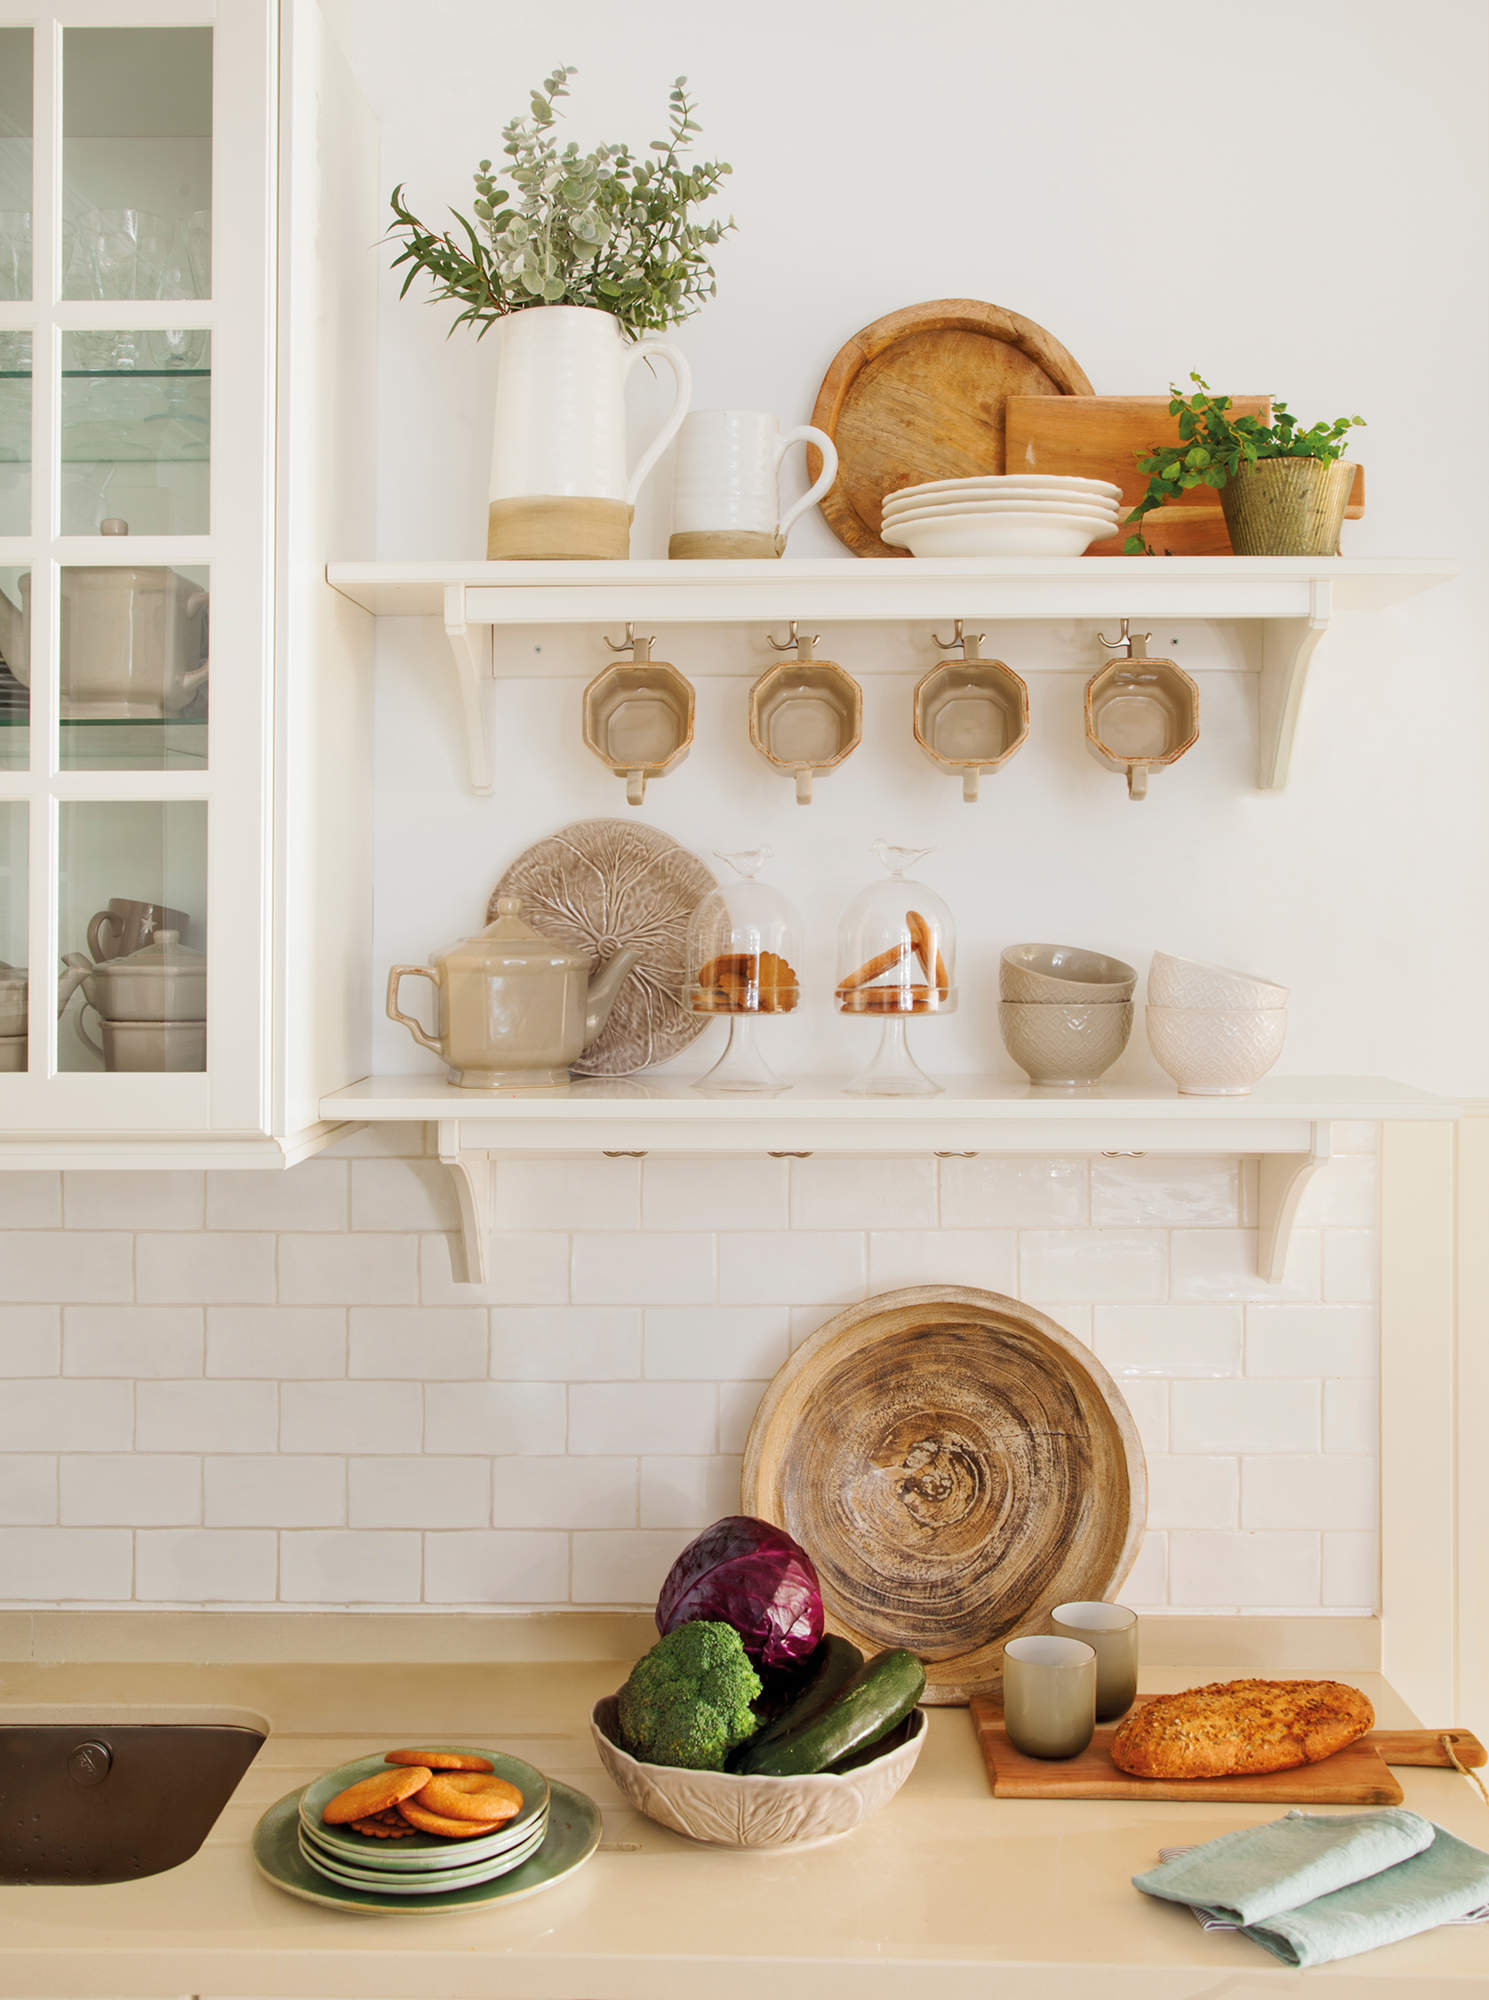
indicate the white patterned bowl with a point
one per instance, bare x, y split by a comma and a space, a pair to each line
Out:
987, 486
730, 1810
1190, 982
1064, 973
1014, 533
1216, 1051
1065, 1045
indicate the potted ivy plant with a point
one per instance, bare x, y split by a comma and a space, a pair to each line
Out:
1283, 489
580, 260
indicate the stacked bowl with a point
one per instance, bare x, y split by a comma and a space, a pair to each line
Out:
1065, 1013
1216, 1032
1014, 514
420, 1864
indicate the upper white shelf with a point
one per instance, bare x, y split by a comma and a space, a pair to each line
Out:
1293, 599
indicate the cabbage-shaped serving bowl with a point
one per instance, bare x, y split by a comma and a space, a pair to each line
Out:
731, 1810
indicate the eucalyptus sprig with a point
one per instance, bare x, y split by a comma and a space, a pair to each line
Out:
604, 228
1213, 446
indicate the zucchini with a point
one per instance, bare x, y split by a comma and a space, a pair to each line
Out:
834, 1664
878, 1697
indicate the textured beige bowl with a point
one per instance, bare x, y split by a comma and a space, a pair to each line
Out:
1190, 982
1216, 1051
734, 1811
1068, 1045
1065, 973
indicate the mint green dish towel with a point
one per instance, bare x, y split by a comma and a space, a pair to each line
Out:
1310, 1888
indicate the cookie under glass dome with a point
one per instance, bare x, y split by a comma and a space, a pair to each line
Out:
896, 958
744, 943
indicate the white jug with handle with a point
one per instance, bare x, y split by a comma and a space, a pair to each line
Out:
559, 485
726, 485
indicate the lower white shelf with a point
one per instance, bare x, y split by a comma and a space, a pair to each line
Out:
1285, 1122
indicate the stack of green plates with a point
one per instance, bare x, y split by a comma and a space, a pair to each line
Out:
420, 1864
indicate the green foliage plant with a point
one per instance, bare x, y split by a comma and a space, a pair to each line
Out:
606, 228
1213, 446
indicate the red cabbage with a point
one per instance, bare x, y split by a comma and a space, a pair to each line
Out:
753, 1576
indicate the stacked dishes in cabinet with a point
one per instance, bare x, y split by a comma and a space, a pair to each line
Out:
1008, 515
896, 958
14, 1014
1216, 1032
151, 1005
743, 945
1065, 1013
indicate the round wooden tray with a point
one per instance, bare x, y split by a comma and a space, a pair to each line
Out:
955, 1464
919, 395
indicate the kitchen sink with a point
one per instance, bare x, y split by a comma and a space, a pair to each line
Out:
109, 1794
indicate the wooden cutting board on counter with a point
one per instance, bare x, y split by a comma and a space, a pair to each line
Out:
1357, 1775
1097, 437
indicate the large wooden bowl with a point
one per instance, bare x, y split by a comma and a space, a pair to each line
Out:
955, 1464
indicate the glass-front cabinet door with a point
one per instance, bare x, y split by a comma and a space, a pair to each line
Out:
136, 298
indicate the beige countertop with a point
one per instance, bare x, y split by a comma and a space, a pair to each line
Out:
992, 1897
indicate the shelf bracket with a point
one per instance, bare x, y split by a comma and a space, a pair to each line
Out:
1282, 1178
1287, 648
471, 1175
471, 650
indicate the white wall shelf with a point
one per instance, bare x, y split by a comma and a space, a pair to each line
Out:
1293, 598
1285, 1122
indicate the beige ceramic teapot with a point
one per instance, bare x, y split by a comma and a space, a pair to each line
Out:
515, 1009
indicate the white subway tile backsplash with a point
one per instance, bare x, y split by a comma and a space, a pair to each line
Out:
1245, 1415
419, 1343
1146, 1584
1312, 1340
636, 1418
284, 1491
346, 1270
1147, 1399
28, 1490
30, 1337
425, 1492
1014, 1193
1334, 1490
335, 1566
30, 1200
667, 1268
832, 1193
493, 1417
205, 1565
403, 1195
1254, 1572
792, 1268
1221, 1264
565, 1492
210, 1268
119, 1200
703, 1343
102, 1489
45, 1414
738, 1402
987, 1258
132, 1340
66, 1565
311, 1196
1352, 1571
276, 1343
684, 1193
621, 1568
1345, 1194
1193, 1492
1173, 1341
352, 1417
686, 1493
1352, 1417
1094, 1264
1351, 1266
570, 1194
496, 1567
206, 1416
526, 1269
1179, 1192
58, 1267
565, 1343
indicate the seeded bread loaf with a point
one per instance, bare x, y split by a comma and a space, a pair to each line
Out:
1235, 1729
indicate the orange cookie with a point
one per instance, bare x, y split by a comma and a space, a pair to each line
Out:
440, 1760
468, 1795
379, 1829
932, 963
375, 1794
875, 967
452, 1829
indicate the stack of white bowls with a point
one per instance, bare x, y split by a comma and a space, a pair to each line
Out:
1215, 1031
1065, 1013
1013, 514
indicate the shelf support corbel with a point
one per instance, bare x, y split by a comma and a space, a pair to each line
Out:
1282, 1178
1288, 645
471, 650
470, 1174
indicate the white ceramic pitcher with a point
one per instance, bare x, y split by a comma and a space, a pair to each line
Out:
559, 485
726, 498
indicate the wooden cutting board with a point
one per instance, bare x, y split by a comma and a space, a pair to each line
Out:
920, 395
1096, 437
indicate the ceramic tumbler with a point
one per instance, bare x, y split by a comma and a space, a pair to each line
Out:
1049, 1696
1111, 1631
727, 498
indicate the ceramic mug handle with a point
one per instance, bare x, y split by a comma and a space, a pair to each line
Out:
683, 376
104, 921
808, 434
84, 1036
1137, 781
415, 1028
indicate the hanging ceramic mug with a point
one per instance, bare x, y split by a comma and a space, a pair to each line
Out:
559, 485
727, 498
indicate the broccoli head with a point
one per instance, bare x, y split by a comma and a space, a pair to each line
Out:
688, 1701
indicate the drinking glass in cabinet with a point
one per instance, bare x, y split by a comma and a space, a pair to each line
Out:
136, 442
141, 982
13, 984
15, 694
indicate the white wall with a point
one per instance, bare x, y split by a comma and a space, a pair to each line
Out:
1321, 240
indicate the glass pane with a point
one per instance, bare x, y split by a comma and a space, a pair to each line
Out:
137, 162
134, 668
136, 425
12, 937
15, 164
15, 676
134, 879
15, 432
